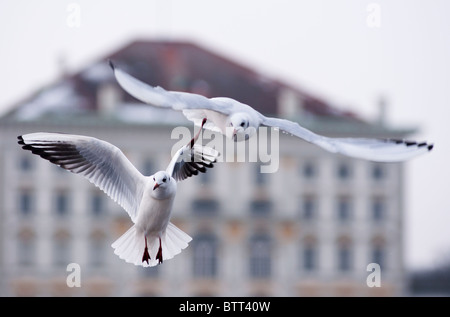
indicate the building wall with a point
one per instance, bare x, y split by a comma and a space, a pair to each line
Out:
253, 234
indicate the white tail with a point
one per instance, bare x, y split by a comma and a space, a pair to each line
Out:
130, 246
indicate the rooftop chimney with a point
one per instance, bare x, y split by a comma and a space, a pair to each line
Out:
108, 98
289, 103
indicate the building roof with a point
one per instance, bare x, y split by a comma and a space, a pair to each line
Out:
180, 66
188, 67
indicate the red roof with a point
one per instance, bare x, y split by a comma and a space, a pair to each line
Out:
185, 66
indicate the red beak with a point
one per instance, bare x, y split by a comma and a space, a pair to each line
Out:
156, 186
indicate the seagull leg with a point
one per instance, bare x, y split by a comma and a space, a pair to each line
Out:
159, 254
146, 255
194, 139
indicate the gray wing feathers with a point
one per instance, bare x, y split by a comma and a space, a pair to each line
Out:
160, 97
379, 150
100, 162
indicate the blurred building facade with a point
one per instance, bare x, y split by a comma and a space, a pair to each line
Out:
310, 229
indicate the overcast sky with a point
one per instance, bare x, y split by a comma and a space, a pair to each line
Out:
349, 52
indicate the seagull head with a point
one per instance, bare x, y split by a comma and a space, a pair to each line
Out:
238, 127
160, 180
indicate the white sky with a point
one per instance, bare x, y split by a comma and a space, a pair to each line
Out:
325, 47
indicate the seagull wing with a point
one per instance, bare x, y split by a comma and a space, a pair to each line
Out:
378, 150
100, 162
159, 97
192, 158
189, 161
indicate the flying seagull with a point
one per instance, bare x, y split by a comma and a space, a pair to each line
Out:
239, 121
148, 200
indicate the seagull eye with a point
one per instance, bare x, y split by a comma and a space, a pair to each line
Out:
154, 179
164, 180
242, 124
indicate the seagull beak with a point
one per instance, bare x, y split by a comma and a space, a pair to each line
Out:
156, 186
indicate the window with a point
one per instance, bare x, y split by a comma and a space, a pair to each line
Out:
378, 251
343, 171
378, 256
204, 207
378, 172
25, 163
260, 208
309, 170
26, 202
147, 167
62, 203
344, 254
61, 248
309, 207
205, 178
378, 208
309, 262
97, 203
344, 258
260, 260
260, 178
205, 256
344, 208
97, 249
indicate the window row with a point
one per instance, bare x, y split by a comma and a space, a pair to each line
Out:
206, 261
343, 171
260, 256
344, 209
309, 207
62, 203
60, 252
309, 170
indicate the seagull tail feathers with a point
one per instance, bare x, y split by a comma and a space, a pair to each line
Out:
131, 245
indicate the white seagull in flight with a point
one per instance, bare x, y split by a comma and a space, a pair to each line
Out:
239, 121
148, 200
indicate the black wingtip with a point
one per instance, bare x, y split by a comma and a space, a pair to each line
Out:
111, 64
412, 143
21, 141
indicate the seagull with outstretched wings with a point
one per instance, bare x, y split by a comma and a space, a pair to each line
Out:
239, 121
148, 200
